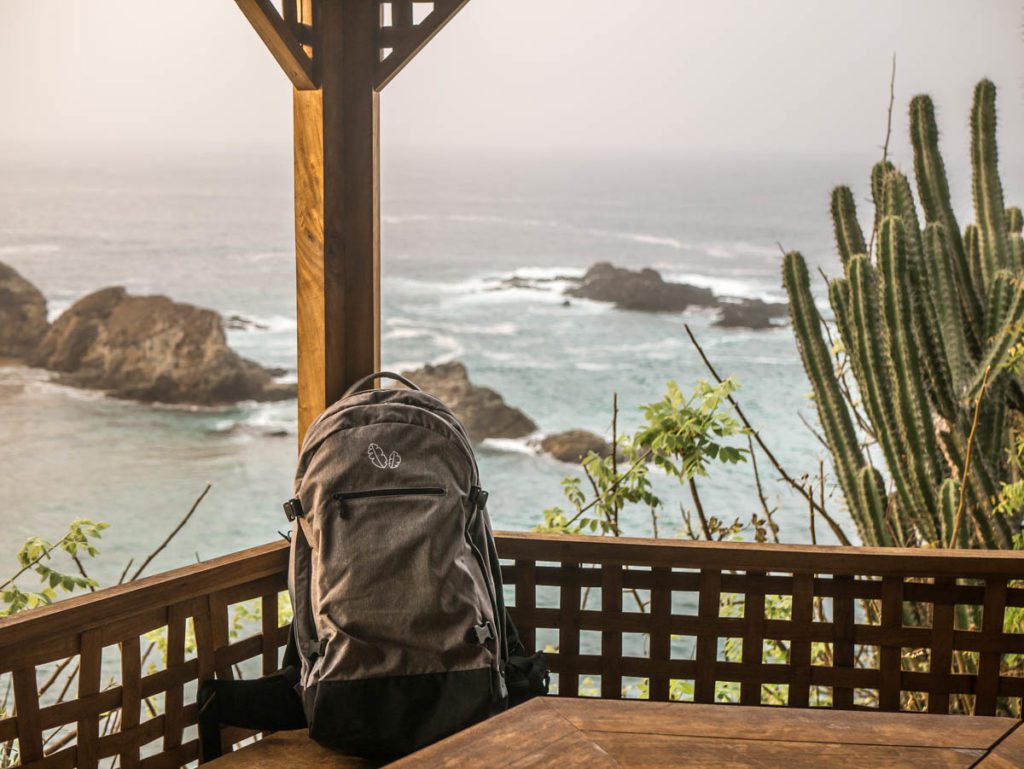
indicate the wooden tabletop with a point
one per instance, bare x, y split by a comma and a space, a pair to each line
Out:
616, 734
567, 733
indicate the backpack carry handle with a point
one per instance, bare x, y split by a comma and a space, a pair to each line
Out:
361, 384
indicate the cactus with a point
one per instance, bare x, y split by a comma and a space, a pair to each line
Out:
927, 323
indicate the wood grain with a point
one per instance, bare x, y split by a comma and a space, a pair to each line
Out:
279, 37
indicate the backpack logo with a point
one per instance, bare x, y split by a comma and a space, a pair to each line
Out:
382, 460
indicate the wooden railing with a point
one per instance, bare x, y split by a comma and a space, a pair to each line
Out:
620, 615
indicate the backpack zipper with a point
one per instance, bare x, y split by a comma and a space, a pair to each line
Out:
408, 491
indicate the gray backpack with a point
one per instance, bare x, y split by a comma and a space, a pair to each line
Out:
399, 619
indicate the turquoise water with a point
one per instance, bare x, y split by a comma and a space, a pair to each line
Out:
215, 229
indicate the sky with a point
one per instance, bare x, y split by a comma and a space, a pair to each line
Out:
803, 76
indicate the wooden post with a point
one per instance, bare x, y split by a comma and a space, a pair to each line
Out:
334, 53
337, 205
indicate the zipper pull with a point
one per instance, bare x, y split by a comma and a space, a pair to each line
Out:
478, 497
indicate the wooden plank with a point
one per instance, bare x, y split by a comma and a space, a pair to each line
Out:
404, 51
1008, 753
753, 556
337, 211
660, 639
644, 750
309, 255
516, 734
526, 600
174, 700
26, 701
65, 619
739, 722
611, 640
843, 657
279, 37
268, 614
91, 657
940, 663
131, 699
800, 646
401, 13
890, 647
989, 662
218, 613
569, 631
709, 602
290, 749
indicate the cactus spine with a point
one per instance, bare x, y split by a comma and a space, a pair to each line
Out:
922, 320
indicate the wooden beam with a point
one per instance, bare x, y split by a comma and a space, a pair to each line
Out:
412, 43
279, 38
337, 209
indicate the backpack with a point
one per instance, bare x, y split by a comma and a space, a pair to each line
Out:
399, 619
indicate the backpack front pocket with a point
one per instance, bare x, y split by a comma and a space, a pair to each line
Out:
342, 497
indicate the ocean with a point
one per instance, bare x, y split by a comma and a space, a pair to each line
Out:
214, 228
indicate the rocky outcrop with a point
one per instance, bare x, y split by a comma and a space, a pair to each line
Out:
639, 290
645, 290
22, 315
751, 313
483, 411
573, 445
150, 348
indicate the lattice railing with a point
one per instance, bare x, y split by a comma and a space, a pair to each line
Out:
622, 617
899, 629
130, 658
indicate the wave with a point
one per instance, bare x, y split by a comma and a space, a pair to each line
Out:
266, 324
513, 445
653, 240
723, 285
260, 419
30, 248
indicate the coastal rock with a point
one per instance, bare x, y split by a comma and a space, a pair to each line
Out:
483, 411
152, 349
241, 323
573, 445
639, 290
22, 314
751, 313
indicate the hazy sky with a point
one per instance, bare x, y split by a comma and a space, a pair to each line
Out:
790, 75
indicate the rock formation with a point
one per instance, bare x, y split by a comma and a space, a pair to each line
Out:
483, 411
22, 315
751, 313
573, 445
641, 290
152, 349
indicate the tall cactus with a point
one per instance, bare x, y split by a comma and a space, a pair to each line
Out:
927, 323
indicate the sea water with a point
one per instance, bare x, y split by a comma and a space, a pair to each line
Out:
214, 228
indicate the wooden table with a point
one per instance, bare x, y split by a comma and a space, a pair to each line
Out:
614, 734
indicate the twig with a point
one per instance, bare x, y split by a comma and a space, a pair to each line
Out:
81, 570
965, 476
812, 431
892, 99
885, 146
35, 561
810, 511
612, 486
836, 529
172, 535
54, 675
615, 449
124, 574
768, 512
700, 510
